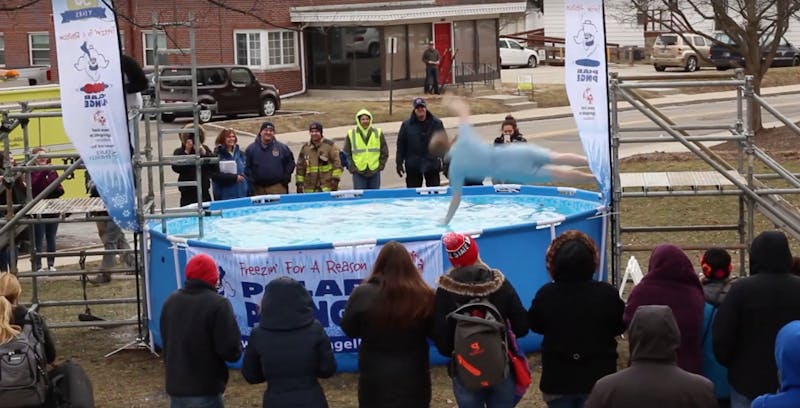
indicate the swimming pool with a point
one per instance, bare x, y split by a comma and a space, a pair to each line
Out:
328, 241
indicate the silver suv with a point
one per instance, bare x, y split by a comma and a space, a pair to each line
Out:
674, 50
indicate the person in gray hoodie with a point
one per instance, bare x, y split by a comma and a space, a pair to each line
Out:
288, 348
653, 379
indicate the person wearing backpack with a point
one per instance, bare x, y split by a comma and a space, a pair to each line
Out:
20, 316
289, 348
473, 289
391, 311
579, 319
25, 350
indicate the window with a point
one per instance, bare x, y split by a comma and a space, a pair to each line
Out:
266, 49
241, 77
699, 41
39, 46
248, 49
281, 47
149, 47
2, 51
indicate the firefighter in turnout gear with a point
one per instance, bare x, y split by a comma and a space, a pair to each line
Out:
319, 166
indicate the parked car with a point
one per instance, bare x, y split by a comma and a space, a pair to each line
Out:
221, 90
675, 50
364, 41
513, 54
725, 58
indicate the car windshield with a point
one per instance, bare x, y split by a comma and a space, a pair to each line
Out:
723, 38
667, 40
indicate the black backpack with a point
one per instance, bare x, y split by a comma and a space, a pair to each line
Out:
23, 374
480, 351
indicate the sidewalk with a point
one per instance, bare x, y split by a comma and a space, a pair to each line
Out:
391, 128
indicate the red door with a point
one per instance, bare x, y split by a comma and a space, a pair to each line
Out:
443, 41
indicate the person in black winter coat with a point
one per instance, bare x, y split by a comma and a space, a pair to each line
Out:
749, 318
188, 171
579, 319
413, 156
199, 334
288, 348
391, 312
469, 279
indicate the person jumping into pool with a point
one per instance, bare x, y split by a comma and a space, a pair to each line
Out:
471, 158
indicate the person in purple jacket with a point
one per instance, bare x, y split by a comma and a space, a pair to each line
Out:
671, 281
45, 233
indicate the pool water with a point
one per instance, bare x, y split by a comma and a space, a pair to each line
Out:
309, 223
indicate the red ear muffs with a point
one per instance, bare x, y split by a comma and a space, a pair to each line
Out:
706, 267
719, 273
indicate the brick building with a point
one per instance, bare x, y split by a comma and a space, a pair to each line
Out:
294, 44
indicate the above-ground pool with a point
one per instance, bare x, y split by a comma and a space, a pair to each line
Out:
328, 241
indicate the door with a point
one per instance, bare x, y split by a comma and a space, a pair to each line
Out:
443, 41
247, 89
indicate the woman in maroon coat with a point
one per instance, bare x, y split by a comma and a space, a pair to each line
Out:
671, 281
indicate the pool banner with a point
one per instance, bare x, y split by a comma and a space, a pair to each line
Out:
330, 275
587, 84
93, 100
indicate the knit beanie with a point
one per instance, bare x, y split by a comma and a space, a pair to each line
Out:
266, 125
461, 249
315, 126
202, 267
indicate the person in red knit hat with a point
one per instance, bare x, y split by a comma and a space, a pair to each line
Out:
199, 334
470, 278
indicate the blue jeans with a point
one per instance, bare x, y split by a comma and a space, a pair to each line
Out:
739, 400
499, 396
367, 183
45, 232
201, 401
432, 79
568, 401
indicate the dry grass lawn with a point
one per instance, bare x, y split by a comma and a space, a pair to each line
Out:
134, 377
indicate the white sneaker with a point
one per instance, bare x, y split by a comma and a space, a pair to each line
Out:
42, 269
51, 268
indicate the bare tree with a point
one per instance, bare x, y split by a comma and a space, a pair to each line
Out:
755, 27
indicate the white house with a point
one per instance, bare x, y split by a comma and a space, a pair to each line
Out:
623, 29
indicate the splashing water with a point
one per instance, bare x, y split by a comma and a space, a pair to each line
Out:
368, 219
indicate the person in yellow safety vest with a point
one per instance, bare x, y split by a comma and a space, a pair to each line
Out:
367, 152
319, 166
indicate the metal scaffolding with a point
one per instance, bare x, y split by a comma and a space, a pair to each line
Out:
754, 191
149, 161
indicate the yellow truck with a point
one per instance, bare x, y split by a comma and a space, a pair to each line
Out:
46, 132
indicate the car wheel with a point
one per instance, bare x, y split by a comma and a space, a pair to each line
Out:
795, 61
167, 117
205, 115
374, 50
691, 64
659, 68
532, 62
267, 106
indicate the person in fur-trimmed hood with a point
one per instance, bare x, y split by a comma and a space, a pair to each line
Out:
471, 278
